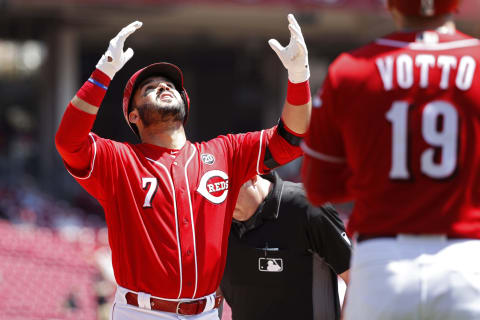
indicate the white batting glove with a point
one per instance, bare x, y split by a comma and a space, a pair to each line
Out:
115, 58
295, 55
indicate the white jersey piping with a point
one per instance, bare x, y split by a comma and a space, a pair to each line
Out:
428, 46
320, 156
193, 224
93, 160
176, 223
260, 152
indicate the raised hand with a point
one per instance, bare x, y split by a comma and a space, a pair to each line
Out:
295, 55
115, 58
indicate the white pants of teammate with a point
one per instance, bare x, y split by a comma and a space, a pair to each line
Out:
414, 278
123, 311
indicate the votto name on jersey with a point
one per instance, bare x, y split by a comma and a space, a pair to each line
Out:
402, 69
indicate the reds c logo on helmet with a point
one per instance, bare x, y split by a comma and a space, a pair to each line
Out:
425, 8
164, 69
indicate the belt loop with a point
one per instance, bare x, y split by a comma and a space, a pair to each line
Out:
210, 303
144, 300
120, 295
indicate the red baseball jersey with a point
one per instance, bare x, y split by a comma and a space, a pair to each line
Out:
396, 127
168, 212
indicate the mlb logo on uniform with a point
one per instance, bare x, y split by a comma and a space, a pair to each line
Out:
270, 264
208, 158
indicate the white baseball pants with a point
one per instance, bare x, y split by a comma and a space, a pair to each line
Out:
414, 278
123, 311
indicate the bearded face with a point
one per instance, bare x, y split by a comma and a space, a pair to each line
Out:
151, 112
157, 100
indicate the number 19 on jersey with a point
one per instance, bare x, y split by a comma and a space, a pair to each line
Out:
444, 138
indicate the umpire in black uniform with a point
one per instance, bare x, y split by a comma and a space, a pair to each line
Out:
284, 254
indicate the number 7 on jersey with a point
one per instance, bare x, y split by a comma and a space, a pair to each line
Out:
152, 189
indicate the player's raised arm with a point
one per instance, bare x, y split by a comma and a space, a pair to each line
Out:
280, 144
297, 108
72, 139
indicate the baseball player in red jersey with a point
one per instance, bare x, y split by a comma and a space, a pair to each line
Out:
169, 202
396, 128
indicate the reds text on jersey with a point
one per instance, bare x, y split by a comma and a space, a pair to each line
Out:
406, 123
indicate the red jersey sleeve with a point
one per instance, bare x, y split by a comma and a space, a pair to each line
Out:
100, 178
85, 154
259, 152
87, 157
72, 140
325, 159
324, 138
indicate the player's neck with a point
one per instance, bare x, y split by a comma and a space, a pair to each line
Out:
444, 22
448, 27
169, 135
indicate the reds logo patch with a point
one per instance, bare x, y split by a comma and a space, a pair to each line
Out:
214, 186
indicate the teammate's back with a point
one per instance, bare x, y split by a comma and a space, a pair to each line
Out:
410, 122
396, 129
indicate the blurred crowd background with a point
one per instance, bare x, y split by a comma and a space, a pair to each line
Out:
54, 256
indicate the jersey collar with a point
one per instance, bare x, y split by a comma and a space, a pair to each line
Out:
155, 152
415, 36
